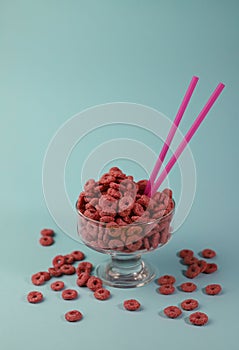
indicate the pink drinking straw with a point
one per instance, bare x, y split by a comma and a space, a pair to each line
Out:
171, 134
188, 136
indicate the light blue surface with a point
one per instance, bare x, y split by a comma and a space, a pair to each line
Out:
60, 57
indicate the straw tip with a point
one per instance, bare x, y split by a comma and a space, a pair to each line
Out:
195, 78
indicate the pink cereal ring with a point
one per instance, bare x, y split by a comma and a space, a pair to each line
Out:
172, 311
69, 294
131, 305
58, 261
47, 232
213, 289
78, 255
198, 318
38, 279
57, 285
55, 271
166, 279
34, 297
210, 268
46, 241
189, 304
67, 269
94, 283
84, 266
166, 289
73, 316
185, 252
82, 279
102, 294
69, 259
208, 253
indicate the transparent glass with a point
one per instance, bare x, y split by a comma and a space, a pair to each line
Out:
125, 245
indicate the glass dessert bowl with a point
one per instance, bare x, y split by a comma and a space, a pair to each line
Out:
116, 218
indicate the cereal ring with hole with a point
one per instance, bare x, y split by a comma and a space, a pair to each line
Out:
58, 261
208, 253
189, 304
69, 259
131, 305
82, 279
189, 260
210, 268
67, 269
166, 279
172, 311
102, 294
78, 255
188, 287
46, 241
47, 232
213, 289
38, 279
84, 266
73, 316
185, 252
94, 283
126, 203
166, 289
46, 275
57, 285
198, 318
34, 297
69, 294
202, 264
193, 271
55, 271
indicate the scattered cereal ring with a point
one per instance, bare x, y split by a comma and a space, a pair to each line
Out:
189, 260
208, 253
34, 297
193, 271
166, 279
131, 305
69, 259
102, 294
189, 304
213, 289
58, 285
166, 289
73, 316
47, 232
68, 269
210, 268
46, 241
198, 318
188, 287
78, 255
46, 275
94, 283
55, 271
82, 279
202, 264
58, 261
185, 252
172, 311
69, 294
84, 266
38, 279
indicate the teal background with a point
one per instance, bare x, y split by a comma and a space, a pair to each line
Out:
60, 57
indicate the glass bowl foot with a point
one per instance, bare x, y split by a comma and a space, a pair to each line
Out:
125, 271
